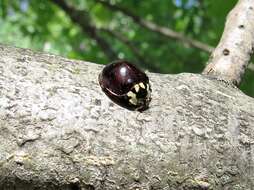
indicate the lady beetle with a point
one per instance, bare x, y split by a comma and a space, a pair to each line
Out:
126, 85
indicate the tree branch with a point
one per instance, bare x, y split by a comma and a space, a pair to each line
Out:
59, 131
158, 29
232, 55
82, 19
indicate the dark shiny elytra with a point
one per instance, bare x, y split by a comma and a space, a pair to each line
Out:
119, 78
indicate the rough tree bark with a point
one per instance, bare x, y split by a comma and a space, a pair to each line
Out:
59, 131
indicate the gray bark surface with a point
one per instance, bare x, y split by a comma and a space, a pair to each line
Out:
59, 131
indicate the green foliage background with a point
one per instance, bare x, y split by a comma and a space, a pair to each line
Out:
42, 25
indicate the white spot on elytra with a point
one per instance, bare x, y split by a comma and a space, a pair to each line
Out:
136, 86
142, 85
131, 94
133, 101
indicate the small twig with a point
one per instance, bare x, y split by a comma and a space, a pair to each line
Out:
167, 32
83, 20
